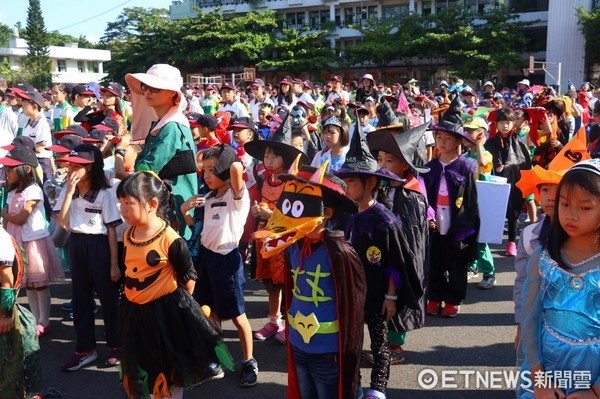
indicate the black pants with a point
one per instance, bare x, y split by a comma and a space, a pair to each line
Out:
447, 271
378, 331
89, 255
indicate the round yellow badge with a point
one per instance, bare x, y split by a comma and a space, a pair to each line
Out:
458, 202
374, 254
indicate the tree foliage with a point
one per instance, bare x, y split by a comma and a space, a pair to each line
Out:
37, 65
55, 38
589, 24
5, 33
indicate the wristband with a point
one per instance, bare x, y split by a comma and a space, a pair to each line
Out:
391, 297
8, 297
120, 151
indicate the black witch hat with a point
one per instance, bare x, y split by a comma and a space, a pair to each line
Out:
360, 160
282, 140
404, 145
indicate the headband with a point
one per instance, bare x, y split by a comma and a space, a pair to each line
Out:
333, 121
590, 165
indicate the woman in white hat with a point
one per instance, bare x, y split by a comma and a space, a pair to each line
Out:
159, 104
368, 88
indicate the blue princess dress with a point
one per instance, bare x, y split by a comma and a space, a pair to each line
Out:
561, 324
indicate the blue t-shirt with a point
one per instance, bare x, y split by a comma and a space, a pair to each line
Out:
314, 302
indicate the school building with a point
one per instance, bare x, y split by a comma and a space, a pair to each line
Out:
555, 37
70, 64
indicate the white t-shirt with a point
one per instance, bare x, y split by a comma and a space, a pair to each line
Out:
40, 133
236, 107
8, 128
7, 249
224, 220
35, 226
91, 214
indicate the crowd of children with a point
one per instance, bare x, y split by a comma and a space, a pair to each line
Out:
157, 206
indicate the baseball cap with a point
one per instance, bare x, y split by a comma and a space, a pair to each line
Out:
443, 83
47, 96
475, 122
33, 96
335, 78
308, 85
84, 154
305, 105
258, 82
95, 136
108, 125
524, 82
488, 83
66, 144
20, 156
244, 123
208, 121
413, 80
209, 87
82, 91
192, 119
285, 81
72, 129
21, 141
228, 86
113, 88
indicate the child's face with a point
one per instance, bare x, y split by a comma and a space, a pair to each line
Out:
272, 162
196, 133
477, 135
504, 127
262, 117
80, 171
133, 211
242, 136
547, 198
447, 143
520, 122
11, 175
298, 142
211, 180
363, 117
392, 163
354, 188
108, 99
331, 136
28, 108
129, 159
579, 213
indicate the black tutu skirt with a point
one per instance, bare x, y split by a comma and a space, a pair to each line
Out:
169, 336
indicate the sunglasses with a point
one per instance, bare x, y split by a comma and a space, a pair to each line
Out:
144, 87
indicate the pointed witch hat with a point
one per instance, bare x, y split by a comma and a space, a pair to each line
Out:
404, 145
282, 140
360, 160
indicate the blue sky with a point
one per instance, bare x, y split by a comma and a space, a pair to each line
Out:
67, 17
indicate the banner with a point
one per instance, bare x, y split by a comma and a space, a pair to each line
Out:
492, 198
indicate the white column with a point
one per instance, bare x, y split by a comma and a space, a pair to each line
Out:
411, 6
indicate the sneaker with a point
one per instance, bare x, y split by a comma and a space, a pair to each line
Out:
269, 330
524, 218
433, 307
472, 274
114, 357
511, 249
397, 355
77, 360
41, 330
67, 306
214, 373
373, 394
249, 374
280, 337
487, 282
450, 310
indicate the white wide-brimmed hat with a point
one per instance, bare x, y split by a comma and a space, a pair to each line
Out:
368, 76
524, 82
159, 76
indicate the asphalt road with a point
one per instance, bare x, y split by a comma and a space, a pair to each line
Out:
479, 339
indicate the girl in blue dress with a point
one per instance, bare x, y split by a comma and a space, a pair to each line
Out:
561, 325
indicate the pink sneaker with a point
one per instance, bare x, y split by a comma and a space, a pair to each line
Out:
511, 249
41, 330
268, 331
280, 337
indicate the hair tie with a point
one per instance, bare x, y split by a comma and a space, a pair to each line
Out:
153, 173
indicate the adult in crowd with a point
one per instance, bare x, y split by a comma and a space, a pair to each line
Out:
169, 146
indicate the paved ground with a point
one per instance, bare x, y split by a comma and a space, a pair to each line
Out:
480, 338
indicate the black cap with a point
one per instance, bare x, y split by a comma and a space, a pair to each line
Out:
72, 129
95, 136
21, 141
82, 91
228, 85
244, 123
108, 125
35, 97
258, 82
66, 144
227, 156
20, 156
113, 88
85, 154
208, 121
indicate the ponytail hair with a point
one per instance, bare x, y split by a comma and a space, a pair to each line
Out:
143, 186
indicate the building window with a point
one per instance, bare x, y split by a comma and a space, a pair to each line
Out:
372, 12
324, 16
426, 7
61, 65
92, 66
314, 19
300, 18
348, 16
396, 11
338, 18
80, 66
529, 5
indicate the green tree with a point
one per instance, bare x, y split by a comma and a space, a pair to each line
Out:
589, 24
5, 34
297, 51
37, 66
55, 38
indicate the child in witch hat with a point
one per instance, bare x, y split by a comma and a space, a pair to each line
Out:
377, 236
407, 199
277, 155
451, 190
325, 322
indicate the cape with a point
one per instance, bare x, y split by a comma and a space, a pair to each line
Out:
460, 178
349, 277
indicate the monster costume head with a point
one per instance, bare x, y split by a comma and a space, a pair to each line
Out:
301, 206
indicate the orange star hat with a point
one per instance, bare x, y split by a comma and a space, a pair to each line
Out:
532, 179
